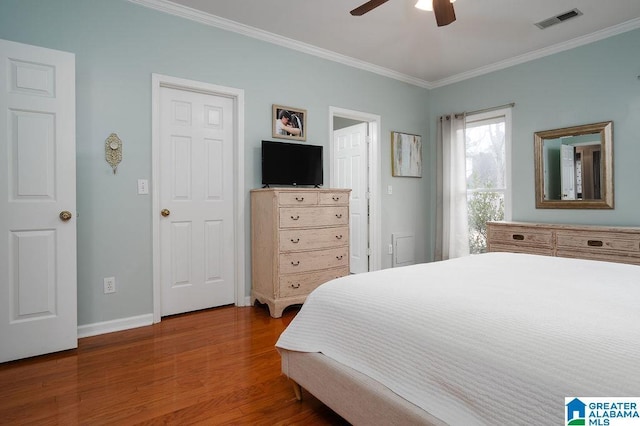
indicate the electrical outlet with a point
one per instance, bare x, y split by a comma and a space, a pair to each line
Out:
109, 285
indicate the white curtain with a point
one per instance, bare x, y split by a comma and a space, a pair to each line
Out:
452, 228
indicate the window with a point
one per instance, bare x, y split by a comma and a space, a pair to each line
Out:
487, 147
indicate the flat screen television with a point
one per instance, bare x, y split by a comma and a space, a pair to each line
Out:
291, 164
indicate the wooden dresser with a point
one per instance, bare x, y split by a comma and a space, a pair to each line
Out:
299, 240
609, 243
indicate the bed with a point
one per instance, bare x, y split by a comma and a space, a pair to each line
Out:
497, 338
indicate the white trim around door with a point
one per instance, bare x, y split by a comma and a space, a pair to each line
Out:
237, 95
374, 179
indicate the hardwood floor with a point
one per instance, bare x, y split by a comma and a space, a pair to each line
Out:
217, 366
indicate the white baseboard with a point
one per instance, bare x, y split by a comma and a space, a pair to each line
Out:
123, 324
114, 325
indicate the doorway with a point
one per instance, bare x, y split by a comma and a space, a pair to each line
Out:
354, 152
198, 202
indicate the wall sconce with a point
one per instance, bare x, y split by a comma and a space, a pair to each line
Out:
113, 151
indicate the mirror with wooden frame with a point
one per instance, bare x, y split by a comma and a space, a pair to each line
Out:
574, 167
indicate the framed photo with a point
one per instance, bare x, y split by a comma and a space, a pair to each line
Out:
289, 123
406, 155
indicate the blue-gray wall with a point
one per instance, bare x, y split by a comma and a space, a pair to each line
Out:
592, 83
117, 46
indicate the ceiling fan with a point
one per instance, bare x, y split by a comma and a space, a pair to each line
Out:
443, 10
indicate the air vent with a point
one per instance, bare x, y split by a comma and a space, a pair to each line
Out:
558, 19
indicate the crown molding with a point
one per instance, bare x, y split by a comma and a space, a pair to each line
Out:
228, 25
169, 7
540, 53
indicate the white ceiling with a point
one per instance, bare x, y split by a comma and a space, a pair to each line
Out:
403, 42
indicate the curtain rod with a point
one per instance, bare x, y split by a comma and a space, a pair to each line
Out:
478, 111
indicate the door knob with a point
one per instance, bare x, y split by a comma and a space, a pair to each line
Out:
65, 215
165, 212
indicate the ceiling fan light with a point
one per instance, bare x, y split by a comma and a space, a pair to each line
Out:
427, 5
424, 5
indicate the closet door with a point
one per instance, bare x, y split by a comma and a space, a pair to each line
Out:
38, 308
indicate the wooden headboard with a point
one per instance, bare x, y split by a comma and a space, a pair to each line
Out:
609, 243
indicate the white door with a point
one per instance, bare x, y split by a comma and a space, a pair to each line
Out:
567, 172
38, 308
196, 198
350, 171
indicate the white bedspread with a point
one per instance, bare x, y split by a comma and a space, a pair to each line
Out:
498, 338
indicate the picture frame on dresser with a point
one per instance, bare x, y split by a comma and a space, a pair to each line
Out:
289, 123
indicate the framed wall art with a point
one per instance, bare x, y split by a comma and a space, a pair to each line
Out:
406, 155
289, 123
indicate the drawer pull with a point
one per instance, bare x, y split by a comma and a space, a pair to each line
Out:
339, 215
295, 263
339, 257
301, 199
296, 285
295, 217
296, 241
518, 237
336, 198
594, 243
339, 237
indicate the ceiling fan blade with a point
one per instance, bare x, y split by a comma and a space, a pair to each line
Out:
368, 6
443, 9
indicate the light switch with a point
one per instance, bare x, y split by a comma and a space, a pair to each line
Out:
143, 187
389, 190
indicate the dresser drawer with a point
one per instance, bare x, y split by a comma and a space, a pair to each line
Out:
301, 217
515, 236
305, 261
312, 239
333, 198
514, 248
606, 243
595, 242
303, 284
297, 198
602, 256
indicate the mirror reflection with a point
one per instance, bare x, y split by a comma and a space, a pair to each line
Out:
574, 167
